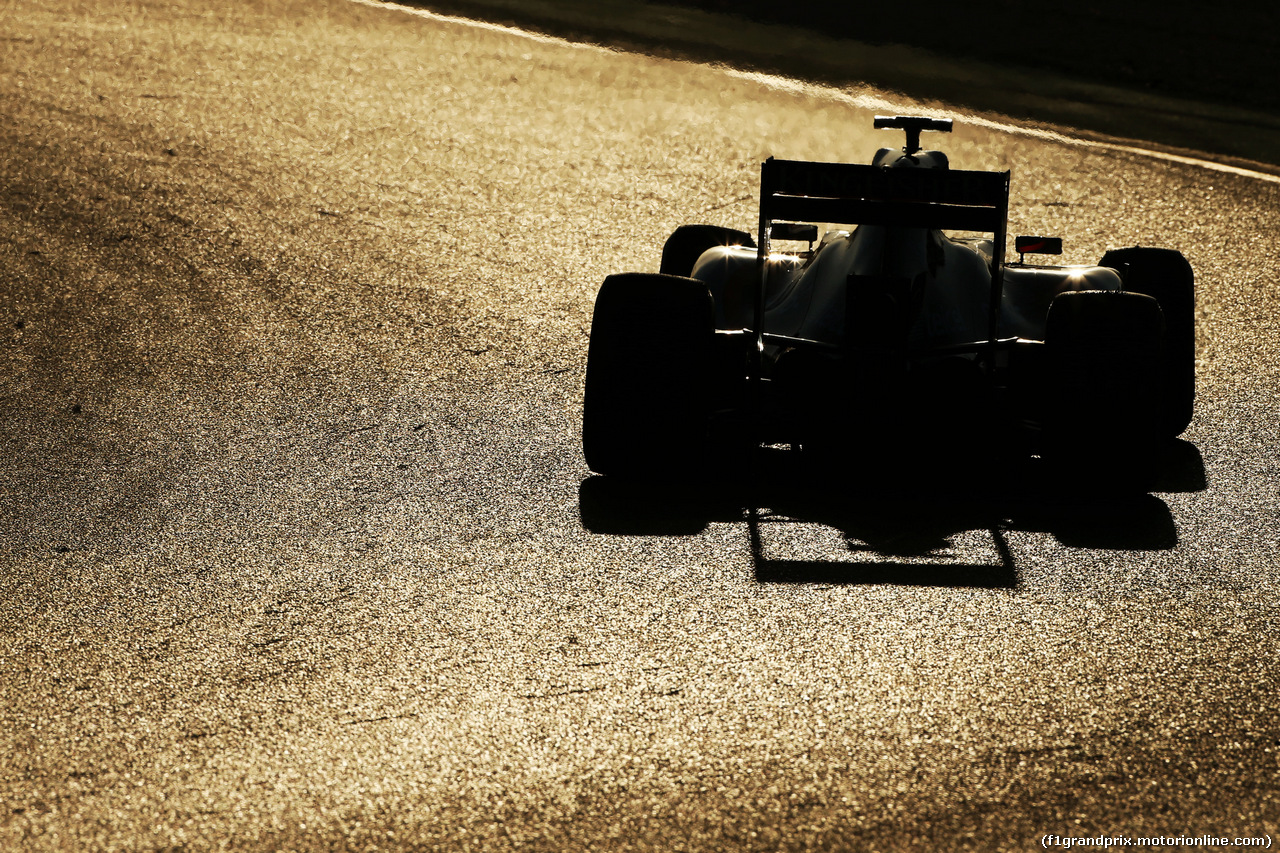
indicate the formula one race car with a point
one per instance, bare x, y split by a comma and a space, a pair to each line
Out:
895, 339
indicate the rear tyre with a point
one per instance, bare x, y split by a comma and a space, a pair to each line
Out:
646, 404
1102, 419
1165, 275
687, 243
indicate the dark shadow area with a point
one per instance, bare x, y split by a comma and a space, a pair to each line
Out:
1168, 73
885, 574
916, 536
1183, 469
894, 530
1184, 49
1141, 523
607, 505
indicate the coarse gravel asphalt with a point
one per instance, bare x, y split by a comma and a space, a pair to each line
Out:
299, 550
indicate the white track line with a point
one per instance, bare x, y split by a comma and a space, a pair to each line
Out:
862, 101
873, 102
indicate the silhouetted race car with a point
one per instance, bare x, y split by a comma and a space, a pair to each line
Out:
905, 338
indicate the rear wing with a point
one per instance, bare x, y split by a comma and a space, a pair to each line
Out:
856, 194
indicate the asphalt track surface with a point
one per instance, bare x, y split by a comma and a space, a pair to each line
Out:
299, 550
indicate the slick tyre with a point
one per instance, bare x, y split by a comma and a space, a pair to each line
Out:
1104, 362
1165, 275
687, 243
646, 404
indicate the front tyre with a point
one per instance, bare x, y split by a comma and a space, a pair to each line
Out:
647, 400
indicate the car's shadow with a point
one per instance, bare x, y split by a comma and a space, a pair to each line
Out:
905, 531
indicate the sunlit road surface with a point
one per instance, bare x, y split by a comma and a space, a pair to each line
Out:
299, 550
